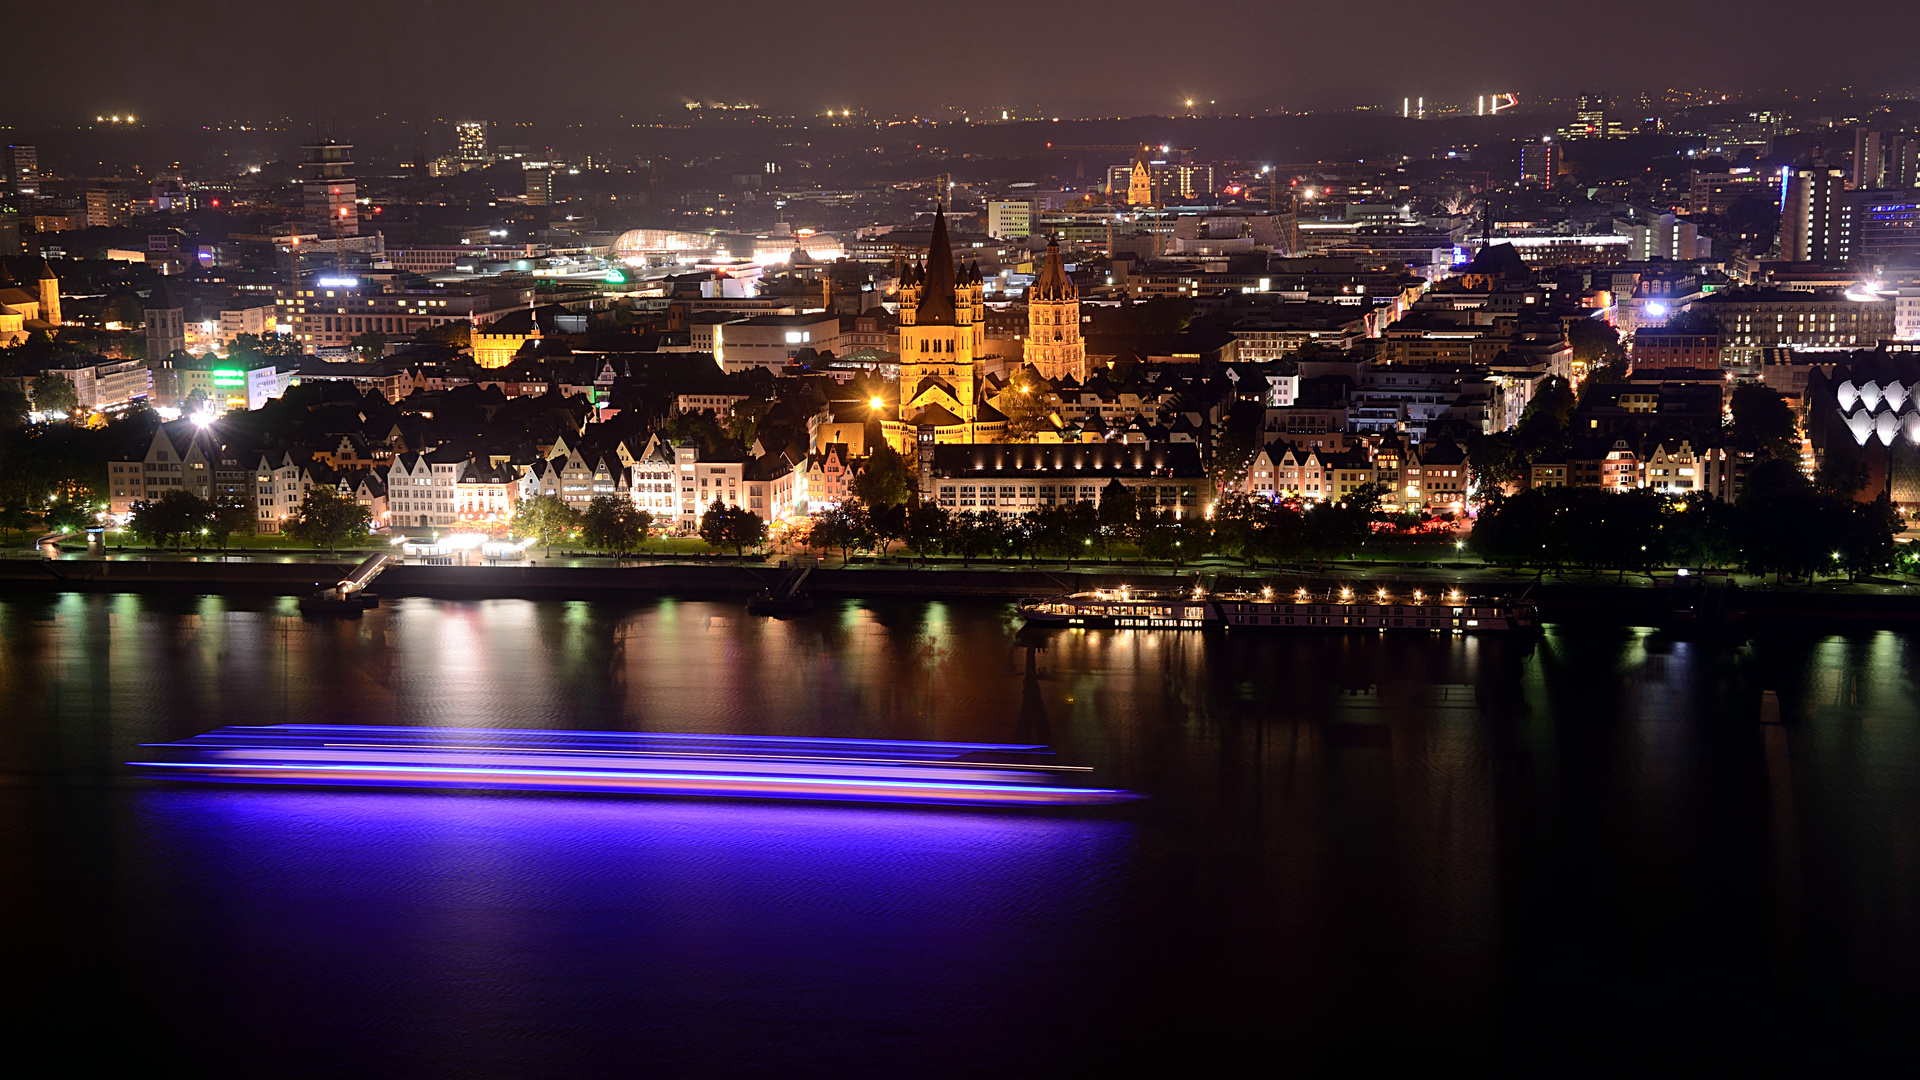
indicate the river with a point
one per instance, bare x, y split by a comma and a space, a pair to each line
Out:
1357, 853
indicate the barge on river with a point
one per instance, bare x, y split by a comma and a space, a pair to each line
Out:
1339, 611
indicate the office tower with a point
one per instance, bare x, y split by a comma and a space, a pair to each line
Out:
540, 187
106, 207
1901, 166
1009, 219
332, 208
1813, 226
470, 140
1539, 163
1882, 227
1663, 236
1869, 158
1590, 116
22, 166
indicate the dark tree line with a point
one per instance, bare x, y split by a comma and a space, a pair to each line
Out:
1250, 529
1783, 525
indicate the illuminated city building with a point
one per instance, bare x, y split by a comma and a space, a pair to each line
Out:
1540, 163
470, 140
942, 338
1054, 346
1813, 227
1140, 185
166, 324
22, 168
22, 310
1009, 218
333, 210
539, 187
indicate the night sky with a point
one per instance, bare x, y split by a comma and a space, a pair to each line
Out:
204, 61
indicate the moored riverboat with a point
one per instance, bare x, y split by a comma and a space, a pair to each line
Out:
1123, 608
1338, 611
1344, 610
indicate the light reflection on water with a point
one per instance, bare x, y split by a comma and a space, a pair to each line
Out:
661, 927
1358, 850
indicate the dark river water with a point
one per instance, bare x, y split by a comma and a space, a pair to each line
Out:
1358, 854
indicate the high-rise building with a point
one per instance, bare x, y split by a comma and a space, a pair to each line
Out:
1590, 116
540, 187
333, 209
1009, 219
106, 207
1715, 193
1869, 157
1901, 167
1882, 227
470, 140
1540, 162
1813, 226
1885, 159
22, 167
1662, 236
1054, 346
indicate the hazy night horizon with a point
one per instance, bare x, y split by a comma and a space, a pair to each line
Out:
603, 59
882, 540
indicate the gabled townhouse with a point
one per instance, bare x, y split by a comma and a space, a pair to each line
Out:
1436, 476
367, 487
655, 485
280, 483
825, 479
484, 495
772, 480
181, 455
422, 489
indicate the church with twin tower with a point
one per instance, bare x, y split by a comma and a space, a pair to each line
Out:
942, 338
943, 385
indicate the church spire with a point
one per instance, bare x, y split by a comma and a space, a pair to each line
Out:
936, 297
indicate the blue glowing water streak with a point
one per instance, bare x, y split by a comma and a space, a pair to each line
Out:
884, 781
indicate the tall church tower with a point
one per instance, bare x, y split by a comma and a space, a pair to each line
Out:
49, 294
1053, 345
942, 333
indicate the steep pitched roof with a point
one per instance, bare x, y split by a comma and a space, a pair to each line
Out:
936, 299
1053, 282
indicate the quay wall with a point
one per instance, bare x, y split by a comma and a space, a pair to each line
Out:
1598, 602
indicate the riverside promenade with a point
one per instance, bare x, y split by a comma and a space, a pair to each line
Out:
1699, 601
